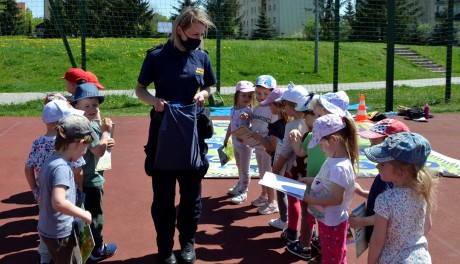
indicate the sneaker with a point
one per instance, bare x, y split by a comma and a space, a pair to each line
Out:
260, 201
107, 251
240, 197
285, 235
234, 190
278, 223
268, 208
299, 251
315, 243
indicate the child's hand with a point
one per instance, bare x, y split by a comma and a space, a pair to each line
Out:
360, 191
110, 143
106, 124
355, 221
256, 136
295, 136
307, 180
86, 217
244, 116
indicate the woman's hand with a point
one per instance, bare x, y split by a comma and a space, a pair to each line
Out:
199, 97
159, 104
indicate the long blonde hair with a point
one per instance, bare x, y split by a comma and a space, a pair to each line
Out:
185, 19
349, 135
422, 180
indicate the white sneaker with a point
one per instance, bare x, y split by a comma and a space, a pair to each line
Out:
261, 200
235, 189
240, 197
268, 208
278, 223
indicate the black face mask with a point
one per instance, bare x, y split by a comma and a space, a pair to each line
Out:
190, 43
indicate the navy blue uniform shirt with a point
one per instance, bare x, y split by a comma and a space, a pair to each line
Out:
177, 75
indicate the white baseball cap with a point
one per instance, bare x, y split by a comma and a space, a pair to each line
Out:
57, 109
295, 93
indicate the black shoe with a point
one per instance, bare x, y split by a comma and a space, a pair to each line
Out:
187, 254
168, 260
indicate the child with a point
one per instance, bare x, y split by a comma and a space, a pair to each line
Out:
241, 115
315, 159
331, 103
377, 134
295, 95
333, 188
43, 148
402, 214
87, 98
58, 191
262, 116
76, 76
273, 145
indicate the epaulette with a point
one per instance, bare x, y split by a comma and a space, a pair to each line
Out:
159, 46
200, 49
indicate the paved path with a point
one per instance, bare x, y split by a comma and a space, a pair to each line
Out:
8, 98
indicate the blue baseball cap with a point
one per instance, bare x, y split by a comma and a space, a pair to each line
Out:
87, 90
411, 148
266, 81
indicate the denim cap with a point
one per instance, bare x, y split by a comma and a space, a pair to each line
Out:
336, 103
295, 93
411, 148
304, 107
266, 81
87, 90
325, 126
55, 110
245, 87
76, 126
384, 128
274, 94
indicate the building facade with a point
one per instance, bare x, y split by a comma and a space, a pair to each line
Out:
288, 17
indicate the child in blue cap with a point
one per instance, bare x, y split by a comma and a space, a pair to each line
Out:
88, 99
402, 214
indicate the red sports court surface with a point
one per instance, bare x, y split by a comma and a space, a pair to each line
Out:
227, 233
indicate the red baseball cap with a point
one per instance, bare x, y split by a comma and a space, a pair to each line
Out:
92, 78
384, 128
74, 75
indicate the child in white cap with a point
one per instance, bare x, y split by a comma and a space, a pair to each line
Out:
261, 118
241, 115
333, 187
273, 144
294, 96
43, 148
402, 214
331, 103
58, 190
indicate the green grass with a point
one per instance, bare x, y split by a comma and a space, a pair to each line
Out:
117, 105
35, 65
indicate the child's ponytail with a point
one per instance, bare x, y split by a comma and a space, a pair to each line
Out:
349, 134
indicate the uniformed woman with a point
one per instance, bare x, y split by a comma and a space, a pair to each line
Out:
182, 74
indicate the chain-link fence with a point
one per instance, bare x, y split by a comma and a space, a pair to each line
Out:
326, 45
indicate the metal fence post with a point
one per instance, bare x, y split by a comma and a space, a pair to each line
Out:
83, 34
450, 42
62, 32
218, 38
390, 55
335, 84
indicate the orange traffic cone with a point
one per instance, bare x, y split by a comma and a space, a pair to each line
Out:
361, 116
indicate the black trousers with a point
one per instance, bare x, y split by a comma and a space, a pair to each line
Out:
163, 208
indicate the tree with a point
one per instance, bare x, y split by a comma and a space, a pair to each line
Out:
10, 19
371, 19
183, 4
264, 28
349, 15
227, 12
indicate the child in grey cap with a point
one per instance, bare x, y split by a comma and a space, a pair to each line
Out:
58, 190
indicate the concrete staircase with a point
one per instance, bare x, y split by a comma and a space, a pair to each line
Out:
419, 60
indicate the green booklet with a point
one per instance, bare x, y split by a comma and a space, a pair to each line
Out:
85, 239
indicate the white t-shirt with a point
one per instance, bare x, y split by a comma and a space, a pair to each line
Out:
261, 117
338, 171
287, 151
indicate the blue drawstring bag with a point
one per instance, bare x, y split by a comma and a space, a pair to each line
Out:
178, 147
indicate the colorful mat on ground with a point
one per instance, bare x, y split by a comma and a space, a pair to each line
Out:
436, 161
